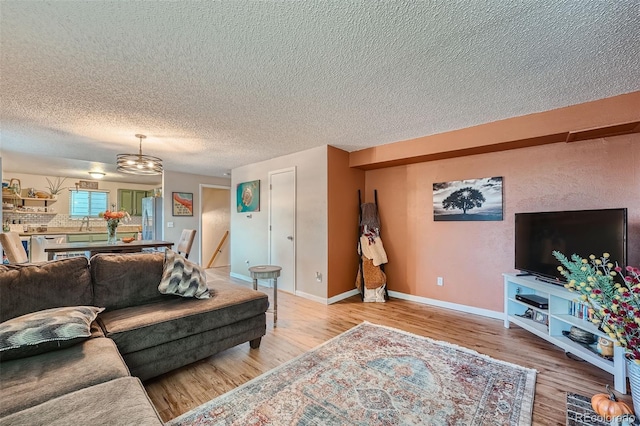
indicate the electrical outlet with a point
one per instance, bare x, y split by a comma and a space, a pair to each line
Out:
440, 281
318, 277
169, 224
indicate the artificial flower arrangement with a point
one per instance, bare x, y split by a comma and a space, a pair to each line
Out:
613, 299
115, 216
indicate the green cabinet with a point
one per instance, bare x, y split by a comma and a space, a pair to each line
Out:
78, 238
130, 200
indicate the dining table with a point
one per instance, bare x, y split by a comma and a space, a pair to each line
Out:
104, 247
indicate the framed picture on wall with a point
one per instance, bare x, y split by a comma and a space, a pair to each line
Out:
248, 196
471, 199
182, 203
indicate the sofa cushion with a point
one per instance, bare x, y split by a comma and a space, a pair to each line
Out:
121, 401
152, 362
44, 331
183, 278
34, 287
30, 381
153, 324
123, 280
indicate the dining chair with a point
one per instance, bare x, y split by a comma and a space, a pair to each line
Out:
12, 246
186, 241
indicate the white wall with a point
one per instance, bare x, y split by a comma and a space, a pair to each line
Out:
249, 236
185, 182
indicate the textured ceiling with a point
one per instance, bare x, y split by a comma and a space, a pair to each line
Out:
217, 85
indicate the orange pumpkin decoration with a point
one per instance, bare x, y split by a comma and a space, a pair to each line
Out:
608, 406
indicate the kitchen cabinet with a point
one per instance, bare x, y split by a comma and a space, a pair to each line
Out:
130, 200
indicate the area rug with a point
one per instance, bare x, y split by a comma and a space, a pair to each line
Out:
371, 375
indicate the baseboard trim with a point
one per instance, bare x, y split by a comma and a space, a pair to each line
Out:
329, 301
311, 297
342, 296
241, 277
448, 305
419, 299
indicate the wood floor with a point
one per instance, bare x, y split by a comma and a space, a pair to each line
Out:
303, 324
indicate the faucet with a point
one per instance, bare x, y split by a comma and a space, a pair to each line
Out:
83, 222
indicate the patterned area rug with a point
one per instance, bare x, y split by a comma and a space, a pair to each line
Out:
378, 375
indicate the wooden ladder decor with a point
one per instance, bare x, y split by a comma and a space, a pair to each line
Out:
215, 253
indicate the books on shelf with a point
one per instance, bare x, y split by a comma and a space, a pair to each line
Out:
580, 310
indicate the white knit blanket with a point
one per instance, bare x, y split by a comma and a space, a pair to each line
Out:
373, 250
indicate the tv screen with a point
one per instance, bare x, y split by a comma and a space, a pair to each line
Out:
582, 232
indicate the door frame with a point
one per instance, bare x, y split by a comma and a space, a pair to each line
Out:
201, 187
295, 218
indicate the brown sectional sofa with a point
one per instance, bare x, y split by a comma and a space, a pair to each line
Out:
141, 333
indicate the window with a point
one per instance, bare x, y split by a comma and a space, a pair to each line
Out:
87, 203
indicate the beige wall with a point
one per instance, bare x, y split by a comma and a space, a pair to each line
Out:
216, 204
185, 182
471, 256
249, 236
343, 214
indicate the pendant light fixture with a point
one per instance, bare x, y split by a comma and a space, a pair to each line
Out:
139, 164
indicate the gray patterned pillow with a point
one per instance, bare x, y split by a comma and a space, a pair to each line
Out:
46, 330
182, 278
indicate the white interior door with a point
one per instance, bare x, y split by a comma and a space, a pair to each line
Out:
282, 226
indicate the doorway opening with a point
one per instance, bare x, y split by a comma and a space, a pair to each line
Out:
215, 222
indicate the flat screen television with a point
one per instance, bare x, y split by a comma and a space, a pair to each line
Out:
582, 232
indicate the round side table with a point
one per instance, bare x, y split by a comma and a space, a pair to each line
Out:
265, 272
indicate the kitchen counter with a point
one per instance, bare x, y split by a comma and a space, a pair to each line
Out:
74, 231
103, 247
39, 240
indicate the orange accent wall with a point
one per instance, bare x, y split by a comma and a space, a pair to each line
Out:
530, 130
343, 184
471, 256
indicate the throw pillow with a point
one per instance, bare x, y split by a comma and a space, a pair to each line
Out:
182, 278
46, 330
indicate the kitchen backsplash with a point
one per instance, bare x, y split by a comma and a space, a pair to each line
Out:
59, 220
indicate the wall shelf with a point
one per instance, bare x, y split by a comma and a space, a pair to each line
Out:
18, 208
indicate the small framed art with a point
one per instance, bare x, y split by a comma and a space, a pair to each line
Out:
248, 196
182, 203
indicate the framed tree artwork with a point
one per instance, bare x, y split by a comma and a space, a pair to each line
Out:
472, 199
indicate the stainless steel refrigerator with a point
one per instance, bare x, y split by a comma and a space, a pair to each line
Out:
152, 218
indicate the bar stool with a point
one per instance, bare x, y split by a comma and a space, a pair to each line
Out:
13, 247
265, 272
186, 242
